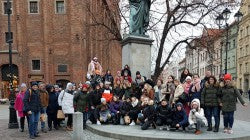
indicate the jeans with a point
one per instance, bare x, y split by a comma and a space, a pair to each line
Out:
85, 117
43, 123
33, 123
199, 124
213, 111
228, 119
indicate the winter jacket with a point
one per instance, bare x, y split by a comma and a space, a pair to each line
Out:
115, 106
178, 91
53, 103
44, 96
95, 97
180, 116
197, 114
164, 111
32, 101
194, 95
228, 97
126, 107
80, 101
118, 91
127, 93
19, 104
65, 100
158, 94
210, 95
149, 112
135, 109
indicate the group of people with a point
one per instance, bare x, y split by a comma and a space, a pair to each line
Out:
185, 104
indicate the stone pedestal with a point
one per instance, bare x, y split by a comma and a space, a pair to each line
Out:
77, 126
136, 52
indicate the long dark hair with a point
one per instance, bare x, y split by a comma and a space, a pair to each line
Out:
215, 80
183, 74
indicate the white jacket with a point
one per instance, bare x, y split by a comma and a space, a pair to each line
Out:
197, 115
65, 100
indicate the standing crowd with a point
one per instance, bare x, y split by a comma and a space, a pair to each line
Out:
185, 104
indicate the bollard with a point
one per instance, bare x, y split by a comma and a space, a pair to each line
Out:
77, 126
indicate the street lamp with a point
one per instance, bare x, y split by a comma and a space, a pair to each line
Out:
12, 112
224, 16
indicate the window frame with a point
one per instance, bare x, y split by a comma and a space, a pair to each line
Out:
56, 12
32, 64
38, 7
3, 9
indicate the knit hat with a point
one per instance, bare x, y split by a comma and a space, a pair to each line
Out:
56, 86
103, 100
85, 86
188, 78
23, 85
107, 83
227, 77
34, 84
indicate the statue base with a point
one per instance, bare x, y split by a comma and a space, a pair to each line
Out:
136, 52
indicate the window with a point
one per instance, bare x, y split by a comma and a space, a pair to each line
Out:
36, 65
7, 36
247, 50
240, 83
240, 68
33, 7
60, 7
241, 54
241, 33
234, 44
62, 68
5, 7
233, 61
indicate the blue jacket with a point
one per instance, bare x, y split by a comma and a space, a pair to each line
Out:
180, 116
53, 103
32, 101
115, 106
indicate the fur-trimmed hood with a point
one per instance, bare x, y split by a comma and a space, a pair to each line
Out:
214, 85
232, 84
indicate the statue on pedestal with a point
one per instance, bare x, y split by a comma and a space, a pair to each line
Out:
139, 16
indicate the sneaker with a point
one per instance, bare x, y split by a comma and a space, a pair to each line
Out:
32, 137
69, 129
160, 128
132, 123
88, 122
56, 128
225, 130
98, 123
198, 132
21, 130
230, 131
37, 135
50, 129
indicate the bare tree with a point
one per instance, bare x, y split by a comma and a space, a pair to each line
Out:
169, 18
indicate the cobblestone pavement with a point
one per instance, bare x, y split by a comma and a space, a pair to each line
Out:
14, 134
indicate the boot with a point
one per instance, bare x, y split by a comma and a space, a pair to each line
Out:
216, 128
209, 127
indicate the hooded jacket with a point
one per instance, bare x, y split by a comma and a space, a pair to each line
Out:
228, 97
164, 112
81, 101
115, 106
196, 114
180, 116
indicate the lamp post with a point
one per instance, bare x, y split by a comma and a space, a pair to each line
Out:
223, 17
12, 112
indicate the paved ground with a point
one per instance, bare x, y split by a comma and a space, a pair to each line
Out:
14, 134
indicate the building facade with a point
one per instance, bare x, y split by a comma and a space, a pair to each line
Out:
243, 49
54, 40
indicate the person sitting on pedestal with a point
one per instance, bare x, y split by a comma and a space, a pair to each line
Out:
164, 114
147, 118
93, 66
102, 112
180, 118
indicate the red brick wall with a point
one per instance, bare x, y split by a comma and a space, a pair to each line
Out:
58, 39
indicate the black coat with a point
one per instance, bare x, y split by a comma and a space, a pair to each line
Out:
126, 107
95, 97
149, 112
32, 101
164, 111
53, 103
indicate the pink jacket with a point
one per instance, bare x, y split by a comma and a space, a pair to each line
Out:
19, 104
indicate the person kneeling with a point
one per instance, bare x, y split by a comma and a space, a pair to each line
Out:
196, 117
148, 115
180, 118
115, 107
164, 114
102, 112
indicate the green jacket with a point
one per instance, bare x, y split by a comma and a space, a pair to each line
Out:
228, 96
210, 95
80, 101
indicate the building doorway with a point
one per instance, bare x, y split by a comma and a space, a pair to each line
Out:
246, 85
62, 83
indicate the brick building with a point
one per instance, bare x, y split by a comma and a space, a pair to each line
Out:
54, 40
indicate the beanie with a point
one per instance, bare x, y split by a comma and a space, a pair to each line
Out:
85, 86
138, 73
103, 100
34, 84
227, 77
